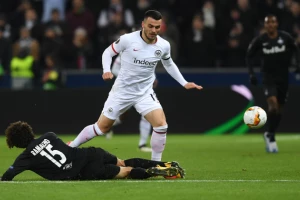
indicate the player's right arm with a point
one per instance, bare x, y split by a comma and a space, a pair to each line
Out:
21, 164
114, 49
253, 48
116, 66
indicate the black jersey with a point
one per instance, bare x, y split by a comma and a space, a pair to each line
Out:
49, 157
276, 54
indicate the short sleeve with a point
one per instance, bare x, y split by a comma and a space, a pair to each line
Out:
167, 53
121, 44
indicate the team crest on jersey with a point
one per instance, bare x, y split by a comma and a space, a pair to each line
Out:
280, 41
157, 53
117, 41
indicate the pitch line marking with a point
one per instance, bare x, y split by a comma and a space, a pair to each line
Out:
143, 181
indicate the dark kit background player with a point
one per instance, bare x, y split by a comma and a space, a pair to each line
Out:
277, 49
49, 157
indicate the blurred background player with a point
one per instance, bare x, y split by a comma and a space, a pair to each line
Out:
144, 126
49, 157
277, 48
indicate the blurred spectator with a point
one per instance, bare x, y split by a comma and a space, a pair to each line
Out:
170, 32
56, 24
27, 42
267, 7
209, 14
114, 29
51, 77
248, 16
106, 15
139, 10
23, 69
80, 16
291, 18
6, 28
79, 55
51, 44
237, 43
32, 23
50, 5
18, 17
5, 52
200, 45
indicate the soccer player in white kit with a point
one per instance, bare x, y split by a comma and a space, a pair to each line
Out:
141, 51
144, 126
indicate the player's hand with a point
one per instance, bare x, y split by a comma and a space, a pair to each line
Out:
192, 85
107, 76
253, 79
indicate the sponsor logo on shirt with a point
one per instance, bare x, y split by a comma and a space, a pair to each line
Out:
273, 50
145, 62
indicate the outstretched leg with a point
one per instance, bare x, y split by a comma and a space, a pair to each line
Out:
100, 128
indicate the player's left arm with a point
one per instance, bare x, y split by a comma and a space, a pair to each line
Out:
21, 164
173, 70
295, 48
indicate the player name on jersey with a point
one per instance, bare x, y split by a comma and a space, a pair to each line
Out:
38, 148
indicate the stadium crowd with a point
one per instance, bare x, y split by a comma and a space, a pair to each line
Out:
48, 35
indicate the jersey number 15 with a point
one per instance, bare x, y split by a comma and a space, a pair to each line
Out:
53, 153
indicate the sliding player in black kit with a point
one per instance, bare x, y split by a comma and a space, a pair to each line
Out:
277, 49
49, 157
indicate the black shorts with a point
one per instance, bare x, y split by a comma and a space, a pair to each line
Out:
280, 90
100, 165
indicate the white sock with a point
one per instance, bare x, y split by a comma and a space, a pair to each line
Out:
86, 134
158, 141
145, 128
117, 122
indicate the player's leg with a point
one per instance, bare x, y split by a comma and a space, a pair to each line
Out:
273, 116
159, 134
140, 173
145, 129
101, 127
117, 122
150, 108
110, 112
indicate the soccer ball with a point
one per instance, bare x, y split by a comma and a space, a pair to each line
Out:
255, 117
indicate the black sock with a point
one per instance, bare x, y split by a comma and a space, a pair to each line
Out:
273, 122
143, 163
139, 173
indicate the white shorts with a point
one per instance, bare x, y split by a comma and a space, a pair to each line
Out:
113, 107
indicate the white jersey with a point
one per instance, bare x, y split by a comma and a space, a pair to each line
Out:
138, 63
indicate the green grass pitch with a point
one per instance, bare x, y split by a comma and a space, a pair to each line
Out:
217, 167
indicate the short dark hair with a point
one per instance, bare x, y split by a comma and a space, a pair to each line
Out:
271, 16
19, 134
153, 14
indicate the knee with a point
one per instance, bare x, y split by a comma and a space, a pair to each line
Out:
120, 163
273, 109
124, 172
105, 128
162, 123
161, 129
